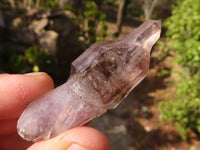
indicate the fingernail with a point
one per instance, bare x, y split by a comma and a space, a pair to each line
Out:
77, 147
35, 73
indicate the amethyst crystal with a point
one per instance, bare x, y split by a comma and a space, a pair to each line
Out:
100, 79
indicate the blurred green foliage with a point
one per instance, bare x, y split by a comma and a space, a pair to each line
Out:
110, 1
31, 60
184, 32
68, 7
15, 62
36, 57
93, 18
183, 36
184, 112
27, 4
163, 73
135, 10
51, 4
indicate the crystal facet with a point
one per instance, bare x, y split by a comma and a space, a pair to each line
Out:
100, 79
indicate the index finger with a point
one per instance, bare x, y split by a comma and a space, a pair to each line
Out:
17, 91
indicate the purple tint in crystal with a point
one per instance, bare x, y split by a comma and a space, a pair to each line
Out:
100, 79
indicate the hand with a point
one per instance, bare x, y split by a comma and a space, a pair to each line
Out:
16, 92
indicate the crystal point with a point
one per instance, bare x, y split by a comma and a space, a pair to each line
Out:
100, 79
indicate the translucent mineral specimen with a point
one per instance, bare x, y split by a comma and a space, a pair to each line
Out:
100, 79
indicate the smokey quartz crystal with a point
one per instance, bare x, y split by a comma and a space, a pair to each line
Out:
100, 79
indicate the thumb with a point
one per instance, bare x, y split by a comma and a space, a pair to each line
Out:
80, 138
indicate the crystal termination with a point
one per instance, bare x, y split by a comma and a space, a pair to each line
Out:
100, 79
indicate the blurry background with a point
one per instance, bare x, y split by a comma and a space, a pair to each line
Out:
163, 112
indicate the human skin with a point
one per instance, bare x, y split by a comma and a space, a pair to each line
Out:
16, 92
